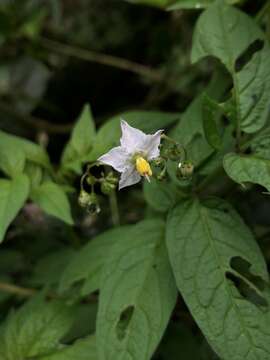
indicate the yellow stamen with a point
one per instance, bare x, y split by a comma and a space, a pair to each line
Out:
143, 167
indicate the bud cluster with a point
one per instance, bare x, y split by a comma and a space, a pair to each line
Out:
89, 199
175, 152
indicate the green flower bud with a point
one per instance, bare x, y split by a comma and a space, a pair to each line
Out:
111, 178
107, 187
159, 162
91, 180
185, 170
89, 201
84, 198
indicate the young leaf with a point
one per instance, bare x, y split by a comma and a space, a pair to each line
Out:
224, 32
232, 309
248, 168
53, 200
11, 162
109, 134
212, 135
18, 148
87, 264
81, 141
82, 350
36, 328
137, 294
13, 194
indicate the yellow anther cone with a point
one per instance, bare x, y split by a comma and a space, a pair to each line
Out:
143, 167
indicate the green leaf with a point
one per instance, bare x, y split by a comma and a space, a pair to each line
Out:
85, 322
17, 149
35, 329
81, 141
34, 173
11, 162
260, 146
161, 196
81, 350
248, 168
87, 264
13, 194
137, 295
254, 91
109, 134
205, 240
53, 200
224, 32
210, 110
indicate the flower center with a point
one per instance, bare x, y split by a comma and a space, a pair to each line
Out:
143, 167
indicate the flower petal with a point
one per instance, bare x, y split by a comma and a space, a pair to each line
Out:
117, 157
132, 139
129, 177
151, 145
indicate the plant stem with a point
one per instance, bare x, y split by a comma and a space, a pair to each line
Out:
114, 209
260, 15
104, 59
17, 290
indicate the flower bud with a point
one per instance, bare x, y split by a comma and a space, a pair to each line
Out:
107, 187
89, 201
111, 178
84, 198
91, 180
185, 170
175, 152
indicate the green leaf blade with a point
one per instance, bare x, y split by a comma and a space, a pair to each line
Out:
81, 141
245, 168
254, 89
224, 32
211, 132
86, 266
36, 328
137, 295
202, 239
53, 200
82, 350
13, 194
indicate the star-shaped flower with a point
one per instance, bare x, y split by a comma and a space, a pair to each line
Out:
132, 157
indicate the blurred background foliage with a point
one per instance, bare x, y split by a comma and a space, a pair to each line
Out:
56, 56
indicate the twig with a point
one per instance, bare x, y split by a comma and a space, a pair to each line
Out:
17, 290
108, 60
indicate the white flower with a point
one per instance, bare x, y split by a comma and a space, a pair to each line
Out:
132, 158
